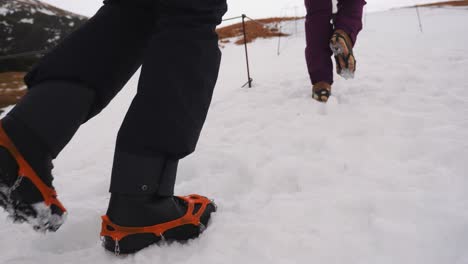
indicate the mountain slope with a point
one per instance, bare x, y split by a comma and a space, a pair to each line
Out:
31, 26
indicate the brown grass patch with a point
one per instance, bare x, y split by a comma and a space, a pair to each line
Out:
12, 88
263, 28
447, 3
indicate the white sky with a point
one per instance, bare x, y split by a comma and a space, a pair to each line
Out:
253, 8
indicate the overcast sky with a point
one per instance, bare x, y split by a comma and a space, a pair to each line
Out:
253, 8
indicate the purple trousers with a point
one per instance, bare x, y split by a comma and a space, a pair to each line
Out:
319, 29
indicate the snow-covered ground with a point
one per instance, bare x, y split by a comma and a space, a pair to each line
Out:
378, 175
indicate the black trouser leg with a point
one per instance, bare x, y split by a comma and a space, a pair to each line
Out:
165, 119
80, 77
52, 111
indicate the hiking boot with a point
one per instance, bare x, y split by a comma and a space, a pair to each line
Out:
25, 195
321, 91
342, 48
135, 222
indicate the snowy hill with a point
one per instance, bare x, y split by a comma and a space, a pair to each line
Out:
377, 176
30, 26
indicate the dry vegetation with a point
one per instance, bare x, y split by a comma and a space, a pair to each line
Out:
263, 28
12, 88
448, 3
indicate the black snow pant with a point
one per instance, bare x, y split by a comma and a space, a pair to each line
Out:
175, 41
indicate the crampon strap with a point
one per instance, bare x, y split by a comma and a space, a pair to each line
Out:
25, 170
117, 233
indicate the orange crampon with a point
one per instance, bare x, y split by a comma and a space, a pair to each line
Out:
197, 206
45, 214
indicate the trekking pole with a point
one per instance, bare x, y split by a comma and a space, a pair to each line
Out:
419, 19
232, 18
249, 82
295, 17
279, 40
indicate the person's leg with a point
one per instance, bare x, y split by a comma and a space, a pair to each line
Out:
69, 85
80, 77
348, 24
165, 119
164, 123
349, 17
319, 29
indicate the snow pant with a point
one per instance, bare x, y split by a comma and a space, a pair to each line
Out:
175, 41
319, 30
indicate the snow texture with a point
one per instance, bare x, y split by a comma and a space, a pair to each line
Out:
378, 175
4, 11
45, 218
46, 11
347, 74
27, 20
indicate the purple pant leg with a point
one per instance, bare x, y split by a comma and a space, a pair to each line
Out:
318, 33
349, 17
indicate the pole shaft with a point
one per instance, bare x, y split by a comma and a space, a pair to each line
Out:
295, 17
278, 51
246, 51
419, 19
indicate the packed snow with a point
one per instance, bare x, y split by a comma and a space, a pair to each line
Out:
377, 175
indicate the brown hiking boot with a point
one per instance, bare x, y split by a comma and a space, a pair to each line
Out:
342, 48
321, 91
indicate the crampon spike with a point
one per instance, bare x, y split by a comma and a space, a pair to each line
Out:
117, 248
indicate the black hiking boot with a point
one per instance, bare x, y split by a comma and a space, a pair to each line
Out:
134, 222
26, 196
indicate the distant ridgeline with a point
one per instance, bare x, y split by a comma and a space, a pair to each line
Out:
28, 28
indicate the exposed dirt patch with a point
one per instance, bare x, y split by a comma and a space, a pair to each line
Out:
261, 28
447, 3
12, 88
